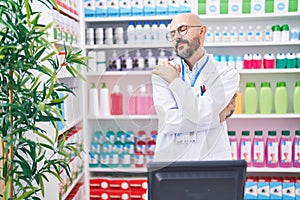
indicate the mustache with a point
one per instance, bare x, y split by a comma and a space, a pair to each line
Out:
180, 41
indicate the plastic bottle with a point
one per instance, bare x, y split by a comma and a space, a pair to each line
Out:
218, 34
141, 142
265, 98
238, 103
294, 36
125, 159
231, 61
139, 33
239, 64
248, 61
130, 143
258, 149
280, 60
162, 57
113, 158
162, 32
250, 34
233, 34
291, 60
150, 60
116, 98
104, 101
281, 98
131, 101
233, 145
98, 137
296, 98
272, 150
130, 32
142, 104
245, 148
115, 62
209, 37
242, 34
154, 33
223, 61
225, 34
151, 143
276, 33
285, 33
285, 149
121, 136
147, 31
128, 60
257, 61
139, 61
269, 61
258, 34
268, 36
298, 59
250, 98
296, 149
93, 101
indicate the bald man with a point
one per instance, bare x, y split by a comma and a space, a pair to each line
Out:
192, 96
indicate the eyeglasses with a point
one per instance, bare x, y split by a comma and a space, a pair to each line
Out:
182, 30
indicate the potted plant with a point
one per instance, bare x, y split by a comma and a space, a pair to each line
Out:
29, 95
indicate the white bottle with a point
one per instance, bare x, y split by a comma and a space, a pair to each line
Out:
258, 35
154, 33
162, 32
115, 62
139, 61
225, 34
130, 33
223, 61
128, 61
285, 33
209, 37
231, 61
104, 101
150, 60
233, 34
242, 34
147, 33
250, 34
162, 57
268, 36
218, 34
239, 63
139, 35
93, 101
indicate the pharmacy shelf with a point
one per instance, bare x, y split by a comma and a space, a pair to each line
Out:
224, 17
119, 169
67, 44
120, 73
123, 117
265, 116
75, 181
207, 44
68, 13
270, 71
249, 169
273, 170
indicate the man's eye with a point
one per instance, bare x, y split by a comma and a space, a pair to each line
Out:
182, 28
172, 33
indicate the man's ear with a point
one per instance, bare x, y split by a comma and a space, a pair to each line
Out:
203, 30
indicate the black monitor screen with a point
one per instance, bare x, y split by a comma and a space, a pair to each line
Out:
197, 180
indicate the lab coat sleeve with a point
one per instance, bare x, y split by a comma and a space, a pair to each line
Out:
180, 110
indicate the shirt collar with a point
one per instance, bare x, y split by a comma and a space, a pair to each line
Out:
196, 67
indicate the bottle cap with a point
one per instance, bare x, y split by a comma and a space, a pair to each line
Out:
116, 89
281, 84
297, 132
103, 85
272, 133
285, 27
297, 84
265, 84
231, 133
250, 84
285, 132
258, 133
276, 28
93, 85
245, 133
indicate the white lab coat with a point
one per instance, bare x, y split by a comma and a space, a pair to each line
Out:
182, 109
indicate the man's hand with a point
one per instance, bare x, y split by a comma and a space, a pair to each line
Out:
228, 111
167, 71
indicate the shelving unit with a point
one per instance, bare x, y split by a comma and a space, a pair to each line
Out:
237, 122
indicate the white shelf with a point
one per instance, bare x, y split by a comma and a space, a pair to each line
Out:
120, 73
207, 44
223, 17
123, 117
71, 125
64, 196
62, 43
265, 116
119, 169
269, 71
273, 170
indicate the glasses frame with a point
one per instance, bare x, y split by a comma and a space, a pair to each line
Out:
169, 34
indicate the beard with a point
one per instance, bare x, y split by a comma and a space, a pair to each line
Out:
192, 46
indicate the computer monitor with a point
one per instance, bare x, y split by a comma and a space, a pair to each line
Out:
196, 180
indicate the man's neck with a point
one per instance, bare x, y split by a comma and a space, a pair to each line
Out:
194, 59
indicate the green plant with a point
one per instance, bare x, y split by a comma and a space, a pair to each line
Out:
29, 96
